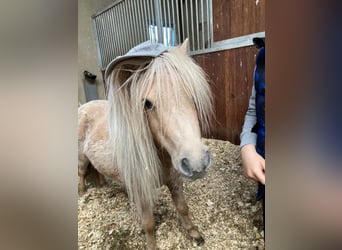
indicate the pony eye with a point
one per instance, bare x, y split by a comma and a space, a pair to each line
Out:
148, 104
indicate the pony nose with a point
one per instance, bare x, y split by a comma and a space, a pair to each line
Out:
185, 165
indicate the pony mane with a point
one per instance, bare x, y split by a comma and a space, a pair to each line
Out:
135, 153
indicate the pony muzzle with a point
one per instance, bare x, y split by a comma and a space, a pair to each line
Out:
190, 169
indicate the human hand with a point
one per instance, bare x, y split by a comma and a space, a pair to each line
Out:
253, 163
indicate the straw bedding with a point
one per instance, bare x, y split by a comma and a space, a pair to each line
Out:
222, 206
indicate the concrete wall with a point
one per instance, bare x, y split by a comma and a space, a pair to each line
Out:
87, 54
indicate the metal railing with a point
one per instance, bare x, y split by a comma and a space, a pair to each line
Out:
127, 23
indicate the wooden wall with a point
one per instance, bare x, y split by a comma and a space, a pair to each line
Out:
231, 76
232, 18
231, 71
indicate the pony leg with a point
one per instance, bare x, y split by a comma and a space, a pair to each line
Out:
82, 172
81, 182
183, 210
148, 226
101, 179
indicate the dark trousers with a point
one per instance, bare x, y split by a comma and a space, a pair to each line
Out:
261, 197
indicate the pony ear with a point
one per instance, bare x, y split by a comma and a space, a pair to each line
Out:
185, 47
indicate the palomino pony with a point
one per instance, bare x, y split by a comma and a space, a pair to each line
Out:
148, 133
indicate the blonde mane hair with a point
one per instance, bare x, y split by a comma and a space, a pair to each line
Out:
135, 154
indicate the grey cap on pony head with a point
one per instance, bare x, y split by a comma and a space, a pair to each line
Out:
145, 50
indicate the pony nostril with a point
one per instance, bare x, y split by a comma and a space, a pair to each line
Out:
186, 166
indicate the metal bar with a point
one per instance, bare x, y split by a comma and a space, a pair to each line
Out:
100, 36
211, 23
99, 57
187, 19
177, 19
157, 11
136, 24
169, 24
128, 37
150, 23
208, 25
144, 22
113, 28
173, 19
130, 22
113, 39
139, 17
111, 34
164, 18
119, 35
108, 28
149, 12
126, 21
182, 24
106, 31
192, 45
149, 19
123, 31
202, 25
164, 23
198, 42
104, 36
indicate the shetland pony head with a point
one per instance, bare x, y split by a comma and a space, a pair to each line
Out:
159, 103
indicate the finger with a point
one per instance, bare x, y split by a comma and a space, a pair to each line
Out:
262, 163
260, 176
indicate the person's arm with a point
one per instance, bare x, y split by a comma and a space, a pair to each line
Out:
253, 163
247, 136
